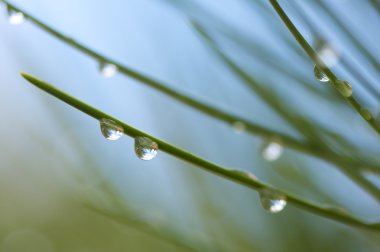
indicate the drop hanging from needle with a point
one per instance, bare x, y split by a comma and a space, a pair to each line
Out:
15, 17
145, 148
272, 150
110, 129
272, 201
107, 70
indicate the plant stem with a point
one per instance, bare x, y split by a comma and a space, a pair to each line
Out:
315, 58
376, 5
232, 175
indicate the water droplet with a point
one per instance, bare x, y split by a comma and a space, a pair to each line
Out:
343, 87
272, 150
247, 174
15, 17
320, 75
327, 53
238, 127
366, 114
272, 201
107, 69
110, 129
145, 148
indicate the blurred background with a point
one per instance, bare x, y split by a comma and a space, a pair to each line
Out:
63, 187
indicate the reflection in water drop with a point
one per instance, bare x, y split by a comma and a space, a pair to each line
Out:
145, 148
110, 129
15, 17
272, 150
320, 75
272, 201
107, 69
343, 87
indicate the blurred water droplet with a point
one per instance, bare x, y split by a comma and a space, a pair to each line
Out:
320, 75
247, 174
110, 129
366, 114
238, 127
107, 69
272, 201
327, 53
343, 87
145, 148
15, 17
272, 150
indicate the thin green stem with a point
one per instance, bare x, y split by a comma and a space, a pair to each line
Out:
315, 58
266, 56
376, 5
232, 175
287, 39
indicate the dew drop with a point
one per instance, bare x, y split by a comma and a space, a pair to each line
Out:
107, 69
272, 201
320, 75
343, 87
15, 17
145, 148
238, 127
245, 173
365, 113
272, 150
110, 129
